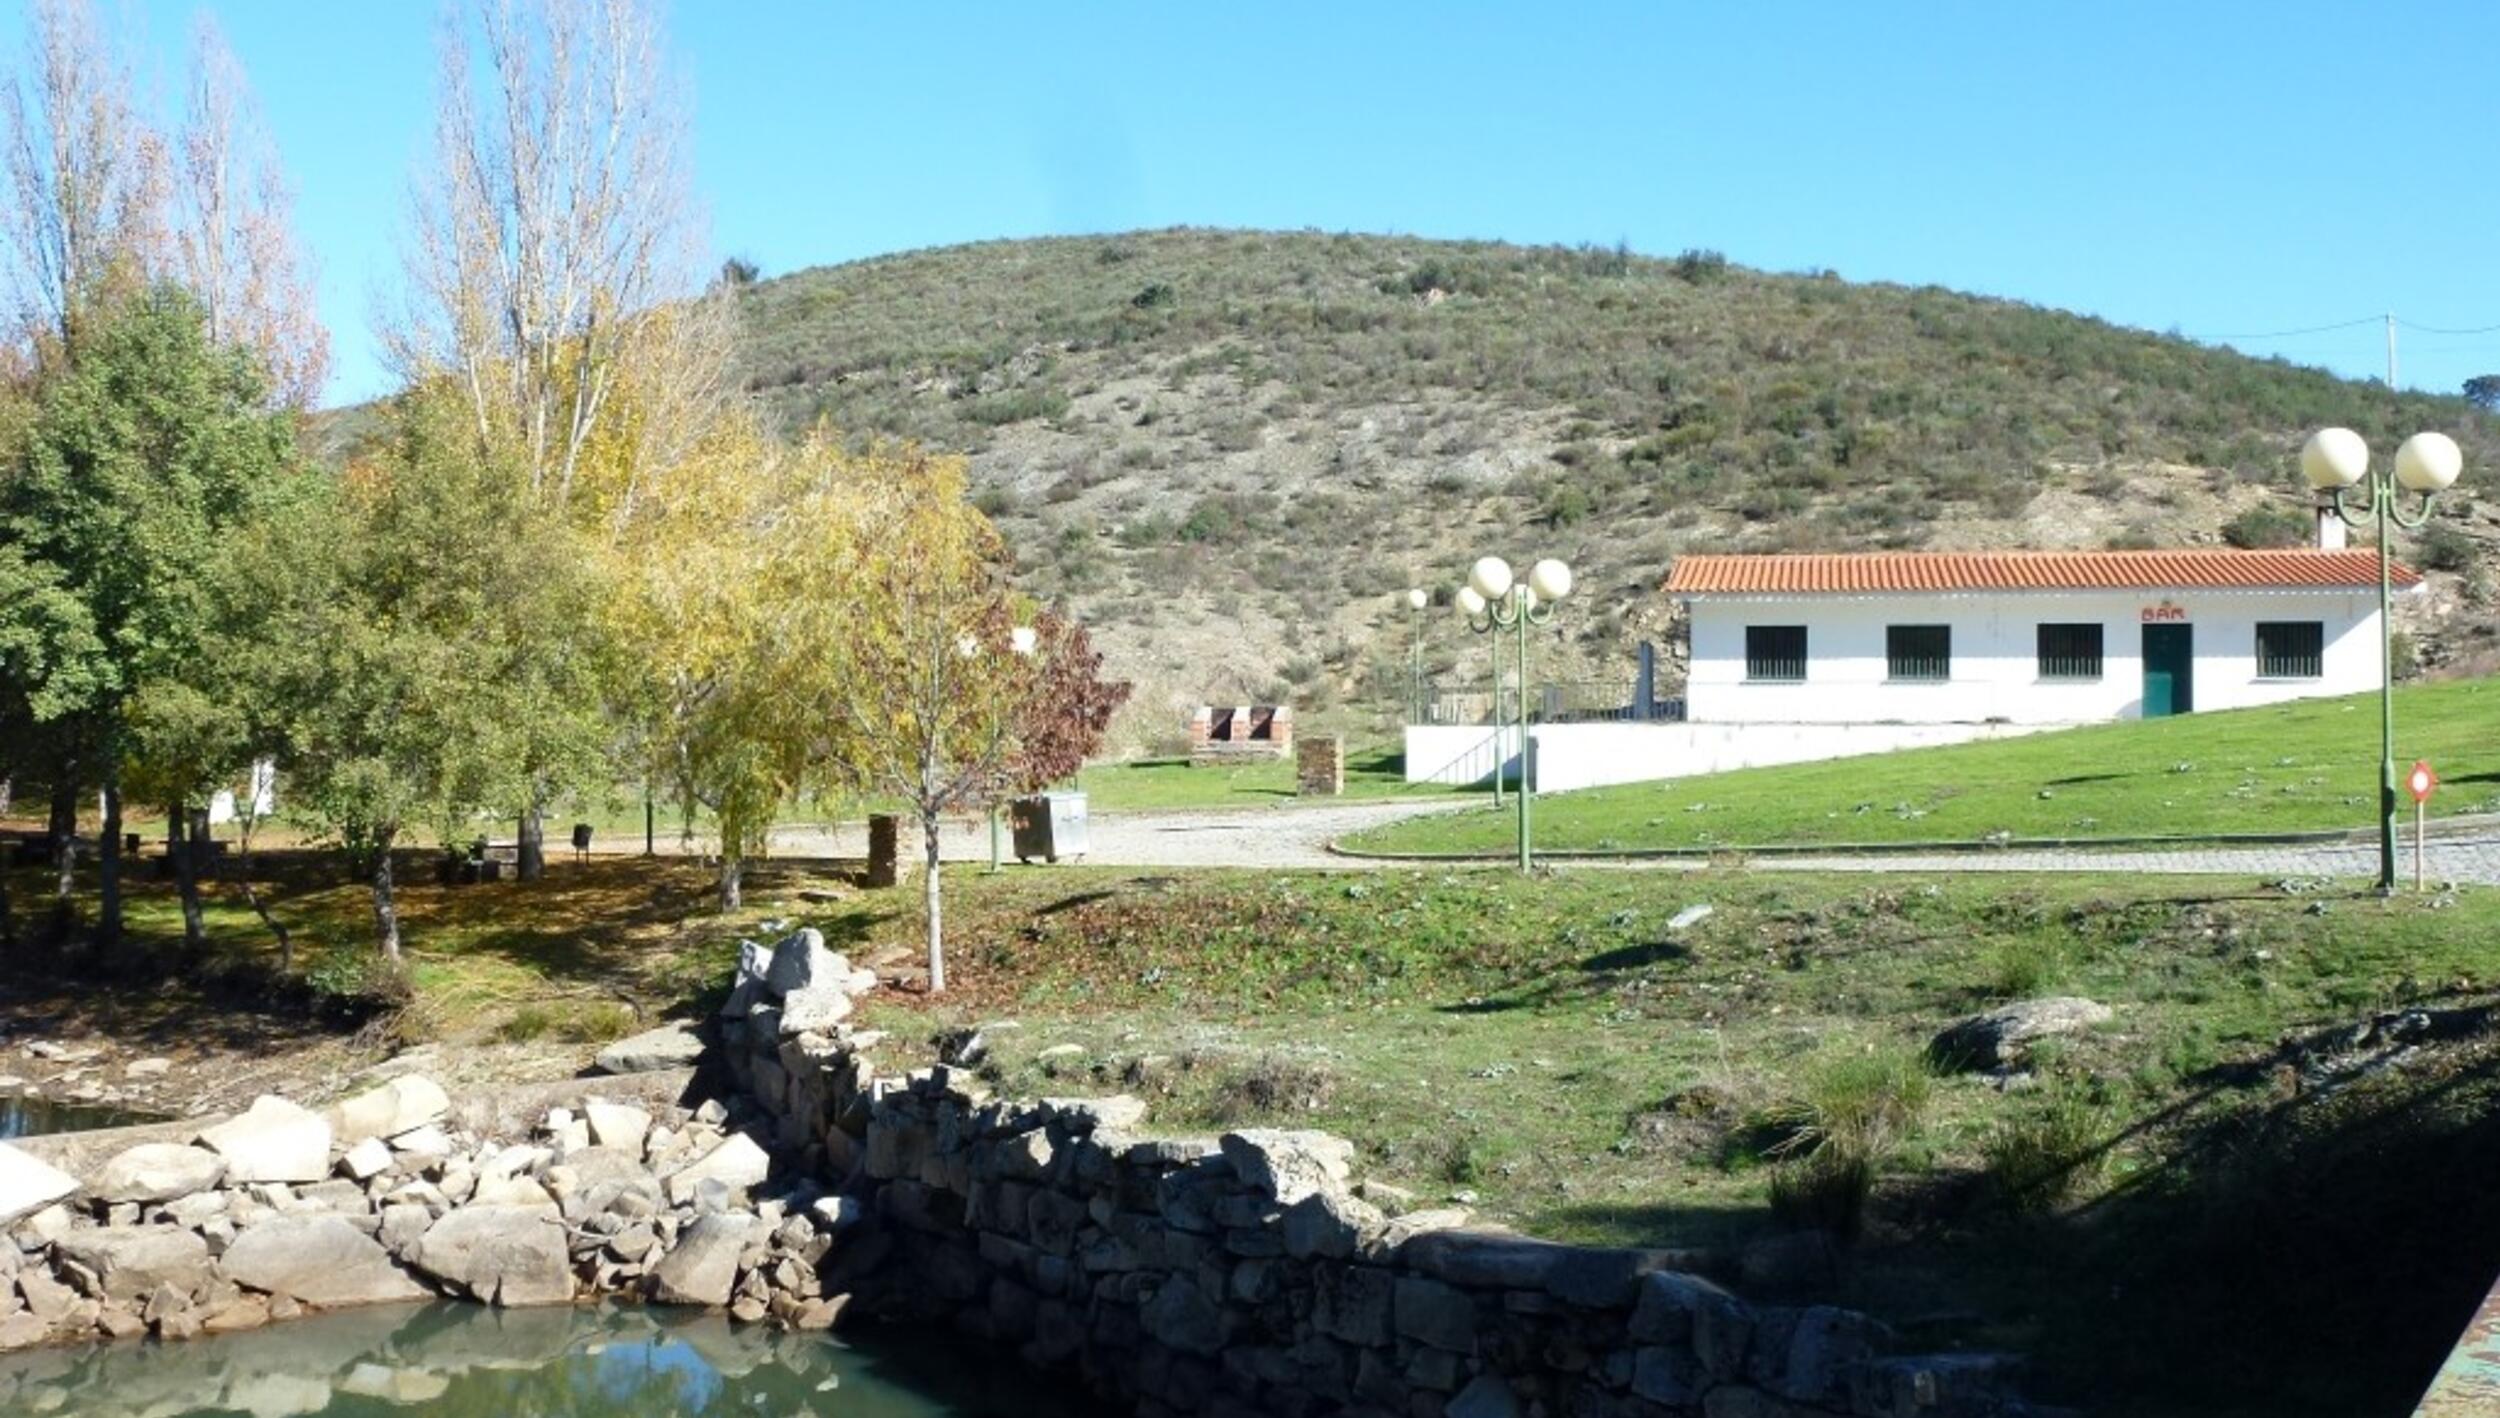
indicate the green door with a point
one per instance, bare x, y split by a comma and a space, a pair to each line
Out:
2169, 670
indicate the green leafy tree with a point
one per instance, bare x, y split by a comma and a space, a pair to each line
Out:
439, 628
142, 459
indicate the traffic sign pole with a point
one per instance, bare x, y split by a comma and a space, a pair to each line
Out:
2421, 782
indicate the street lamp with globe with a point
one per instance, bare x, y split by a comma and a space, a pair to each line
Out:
1416, 600
2336, 461
1493, 601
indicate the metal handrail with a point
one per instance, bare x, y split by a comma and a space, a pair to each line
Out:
1554, 702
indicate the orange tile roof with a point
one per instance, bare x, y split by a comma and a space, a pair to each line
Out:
1861, 573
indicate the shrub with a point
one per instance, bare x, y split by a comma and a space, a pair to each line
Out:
2039, 1157
2404, 655
1697, 265
2268, 524
2027, 966
2444, 548
1270, 1087
1855, 1111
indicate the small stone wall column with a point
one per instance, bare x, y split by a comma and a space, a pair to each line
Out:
885, 858
1320, 761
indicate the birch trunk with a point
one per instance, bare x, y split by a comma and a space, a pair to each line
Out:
385, 908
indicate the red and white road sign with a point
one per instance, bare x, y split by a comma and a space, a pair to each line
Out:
2421, 780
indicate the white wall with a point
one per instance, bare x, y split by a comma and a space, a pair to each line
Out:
1995, 655
1569, 756
1459, 754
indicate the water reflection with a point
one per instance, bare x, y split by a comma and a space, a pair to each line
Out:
27, 1117
468, 1361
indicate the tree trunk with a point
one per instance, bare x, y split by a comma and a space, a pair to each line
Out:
532, 857
385, 910
108, 928
63, 830
251, 894
732, 879
182, 842
929, 893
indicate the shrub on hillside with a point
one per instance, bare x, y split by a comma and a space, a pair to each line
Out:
2268, 524
1853, 1113
2048, 1151
1697, 265
2443, 547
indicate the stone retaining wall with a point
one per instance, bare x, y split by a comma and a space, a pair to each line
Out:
540, 1195
1245, 1275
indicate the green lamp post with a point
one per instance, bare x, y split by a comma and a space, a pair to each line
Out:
1493, 601
1416, 600
2336, 461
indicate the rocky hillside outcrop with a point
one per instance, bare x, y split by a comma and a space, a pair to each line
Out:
1233, 451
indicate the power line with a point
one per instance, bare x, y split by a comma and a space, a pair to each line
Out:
2309, 330
2441, 330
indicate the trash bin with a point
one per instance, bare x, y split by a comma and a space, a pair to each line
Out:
1049, 826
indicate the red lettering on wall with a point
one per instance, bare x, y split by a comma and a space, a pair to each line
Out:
2163, 613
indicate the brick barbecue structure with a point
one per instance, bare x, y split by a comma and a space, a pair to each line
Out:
1249, 731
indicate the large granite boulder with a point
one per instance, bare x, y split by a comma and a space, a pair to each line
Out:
737, 1163
404, 1104
317, 1260
272, 1141
156, 1171
672, 1045
618, 1125
2002, 1037
1289, 1165
703, 1265
502, 1255
28, 1184
130, 1262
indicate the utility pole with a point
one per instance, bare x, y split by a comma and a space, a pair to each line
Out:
2391, 352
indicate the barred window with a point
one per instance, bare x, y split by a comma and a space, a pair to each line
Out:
1775, 652
1918, 652
2070, 652
2291, 649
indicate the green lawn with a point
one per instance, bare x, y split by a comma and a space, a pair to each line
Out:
2246, 1233
1551, 1050
1168, 783
2287, 768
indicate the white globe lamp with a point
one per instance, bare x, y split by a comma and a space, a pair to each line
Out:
1490, 578
2429, 462
2334, 458
1550, 579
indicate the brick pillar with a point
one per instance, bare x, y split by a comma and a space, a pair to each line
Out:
1319, 762
885, 858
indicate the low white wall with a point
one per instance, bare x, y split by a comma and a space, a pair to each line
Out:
1459, 754
1569, 756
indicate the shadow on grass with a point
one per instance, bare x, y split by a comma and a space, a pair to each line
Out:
2316, 1255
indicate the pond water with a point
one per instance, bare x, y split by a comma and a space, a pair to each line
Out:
469, 1361
27, 1117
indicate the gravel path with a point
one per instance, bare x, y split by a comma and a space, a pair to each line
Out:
1298, 837
1219, 837
2469, 859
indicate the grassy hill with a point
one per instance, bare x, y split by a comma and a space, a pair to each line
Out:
1233, 450
2310, 766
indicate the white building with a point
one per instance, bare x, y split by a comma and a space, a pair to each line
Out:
1824, 656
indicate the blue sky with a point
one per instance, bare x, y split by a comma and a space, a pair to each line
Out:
2217, 169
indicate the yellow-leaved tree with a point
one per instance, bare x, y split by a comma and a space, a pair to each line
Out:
955, 691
